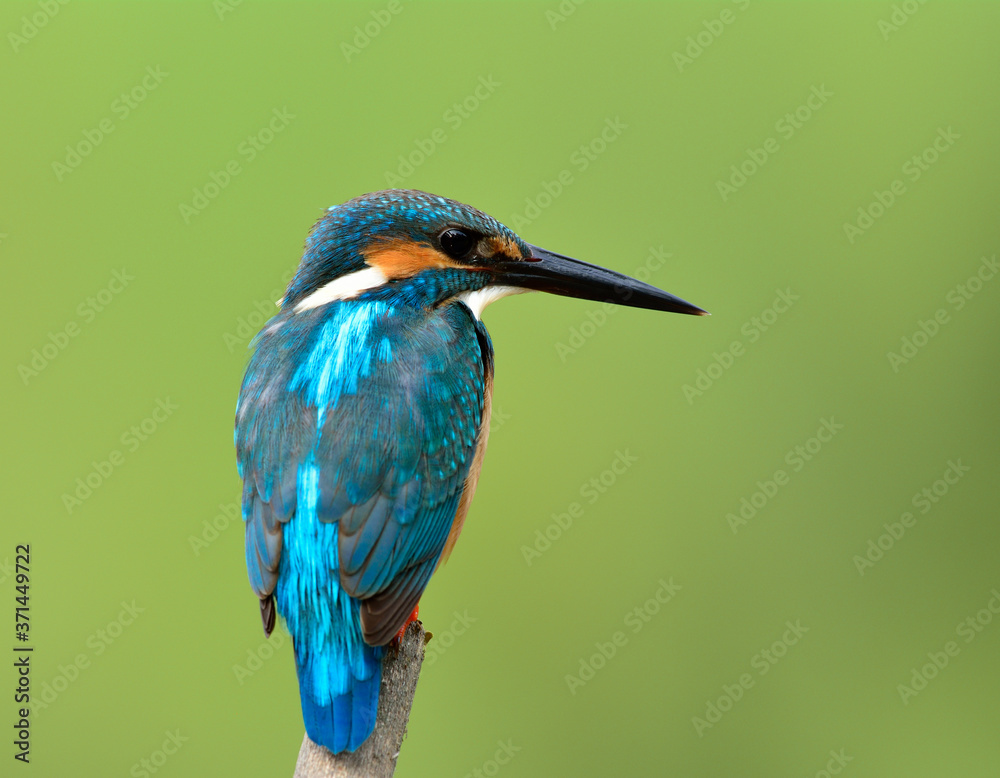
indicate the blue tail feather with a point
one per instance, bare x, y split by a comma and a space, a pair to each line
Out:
344, 723
339, 674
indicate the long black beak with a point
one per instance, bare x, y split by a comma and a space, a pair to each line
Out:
545, 271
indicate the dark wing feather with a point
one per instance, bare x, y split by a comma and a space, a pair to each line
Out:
400, 450
273, 430
384, 614
398, 434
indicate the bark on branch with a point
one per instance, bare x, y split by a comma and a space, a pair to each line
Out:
377, 756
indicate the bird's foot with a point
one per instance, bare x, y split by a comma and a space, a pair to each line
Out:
412, 618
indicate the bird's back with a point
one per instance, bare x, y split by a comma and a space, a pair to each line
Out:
357, 426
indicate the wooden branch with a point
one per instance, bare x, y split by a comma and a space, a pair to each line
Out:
377, 756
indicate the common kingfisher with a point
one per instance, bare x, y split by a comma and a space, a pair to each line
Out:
362, 422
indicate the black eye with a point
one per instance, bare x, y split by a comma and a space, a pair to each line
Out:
457, 243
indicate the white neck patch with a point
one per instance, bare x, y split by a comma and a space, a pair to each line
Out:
343, 288
478, 300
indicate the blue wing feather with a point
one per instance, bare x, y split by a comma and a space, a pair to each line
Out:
356, 427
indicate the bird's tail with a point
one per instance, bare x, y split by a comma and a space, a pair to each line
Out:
337, 706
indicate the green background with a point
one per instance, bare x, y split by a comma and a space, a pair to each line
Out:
177, 333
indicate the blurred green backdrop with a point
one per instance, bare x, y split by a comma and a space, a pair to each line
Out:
823, 177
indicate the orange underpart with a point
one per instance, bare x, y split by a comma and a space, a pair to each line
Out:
412, 618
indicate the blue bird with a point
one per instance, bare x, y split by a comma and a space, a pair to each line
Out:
362, 423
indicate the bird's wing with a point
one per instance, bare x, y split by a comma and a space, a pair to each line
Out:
275, 430
389, 409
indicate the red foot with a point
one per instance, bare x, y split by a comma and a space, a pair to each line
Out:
412, 618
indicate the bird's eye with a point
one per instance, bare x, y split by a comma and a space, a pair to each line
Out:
457, 243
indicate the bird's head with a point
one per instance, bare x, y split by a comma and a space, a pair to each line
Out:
383, 239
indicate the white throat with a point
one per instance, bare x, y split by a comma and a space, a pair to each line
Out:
478, 299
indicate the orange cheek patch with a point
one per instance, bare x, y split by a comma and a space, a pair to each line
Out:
505, 247
404, 258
